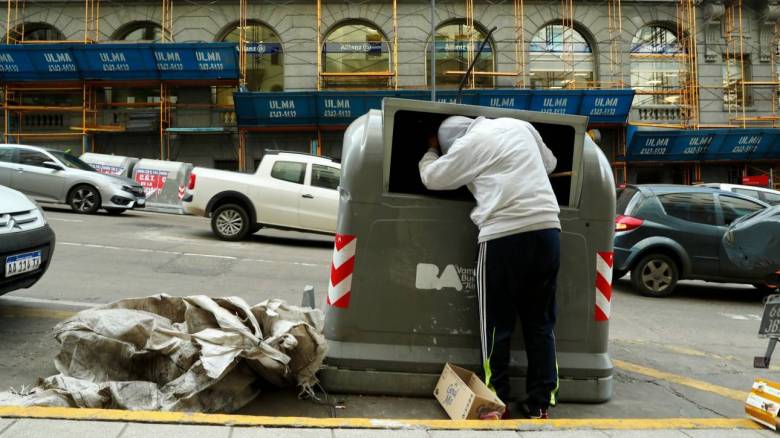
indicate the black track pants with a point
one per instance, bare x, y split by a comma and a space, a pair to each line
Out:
516, 277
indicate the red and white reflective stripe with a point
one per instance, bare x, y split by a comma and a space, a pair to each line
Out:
341, 271
603, 285
182, 191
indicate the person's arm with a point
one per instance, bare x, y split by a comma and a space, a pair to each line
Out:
455, 169
548, 158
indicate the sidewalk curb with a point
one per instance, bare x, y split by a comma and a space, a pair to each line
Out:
368, 423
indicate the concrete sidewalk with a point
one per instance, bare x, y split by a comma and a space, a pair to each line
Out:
44, 428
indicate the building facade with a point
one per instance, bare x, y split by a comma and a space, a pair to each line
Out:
296, 46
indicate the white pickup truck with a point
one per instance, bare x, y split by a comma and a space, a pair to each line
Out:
291, 191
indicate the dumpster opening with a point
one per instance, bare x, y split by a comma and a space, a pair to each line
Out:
410, 135
412, 128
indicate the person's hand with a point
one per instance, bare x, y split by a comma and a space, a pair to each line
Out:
433, 142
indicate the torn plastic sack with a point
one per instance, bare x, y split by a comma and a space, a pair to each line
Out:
194, 354
753, 242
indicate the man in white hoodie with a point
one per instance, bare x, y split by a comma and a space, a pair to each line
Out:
505, 164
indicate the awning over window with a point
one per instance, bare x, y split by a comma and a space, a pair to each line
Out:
341, 107
118, 62
661, 144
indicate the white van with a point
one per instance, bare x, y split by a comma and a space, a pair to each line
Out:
771, 197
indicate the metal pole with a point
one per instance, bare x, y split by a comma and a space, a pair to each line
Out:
473, 62
433, 50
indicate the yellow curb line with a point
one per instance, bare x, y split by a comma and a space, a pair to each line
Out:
682, 380
35, 312
368, 423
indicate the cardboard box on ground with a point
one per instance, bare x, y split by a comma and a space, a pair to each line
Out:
464, 395
763, 403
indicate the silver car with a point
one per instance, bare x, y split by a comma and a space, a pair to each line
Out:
26, 241
50, 175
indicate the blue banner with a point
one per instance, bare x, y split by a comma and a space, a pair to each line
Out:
739, 144
744, 144
342, 107
467, 97
556, 101
37, 62
292, 108
118, 62
606, 106
512, 99
185, 61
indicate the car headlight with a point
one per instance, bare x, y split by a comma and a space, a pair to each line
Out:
42, 216
38, 212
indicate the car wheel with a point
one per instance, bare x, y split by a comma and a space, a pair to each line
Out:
115, 211
618, 274
84, 199
655, 275
230, 222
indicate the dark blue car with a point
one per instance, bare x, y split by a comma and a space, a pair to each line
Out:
665, 233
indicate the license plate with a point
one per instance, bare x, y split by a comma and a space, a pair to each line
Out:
770, 321
21, 263
140, 201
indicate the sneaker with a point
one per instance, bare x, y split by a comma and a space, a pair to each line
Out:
538, 414
534, 413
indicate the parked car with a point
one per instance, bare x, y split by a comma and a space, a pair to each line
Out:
771, 197
26, 241
50, 175
288, 191
665, 233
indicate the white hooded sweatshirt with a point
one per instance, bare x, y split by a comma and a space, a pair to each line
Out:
505, 164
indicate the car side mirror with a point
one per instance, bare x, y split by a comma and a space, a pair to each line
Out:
52, 165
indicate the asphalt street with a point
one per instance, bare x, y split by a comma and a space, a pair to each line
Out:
686, 356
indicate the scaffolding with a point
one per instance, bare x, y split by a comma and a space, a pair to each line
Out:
689, 67
18, 112
519, 8
737, 86
615, 27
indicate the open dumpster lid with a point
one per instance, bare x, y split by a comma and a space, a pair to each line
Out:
566, 144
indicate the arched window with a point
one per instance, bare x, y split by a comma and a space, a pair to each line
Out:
456, 44
265, 58
560, 57
655, 67
39, 32
356, 54
139, 31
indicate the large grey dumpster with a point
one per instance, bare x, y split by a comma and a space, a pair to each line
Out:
116, 165
164, 184
402, 298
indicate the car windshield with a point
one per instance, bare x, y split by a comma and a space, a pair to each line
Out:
70, 161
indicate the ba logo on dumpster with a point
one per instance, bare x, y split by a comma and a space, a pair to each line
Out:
455, 277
